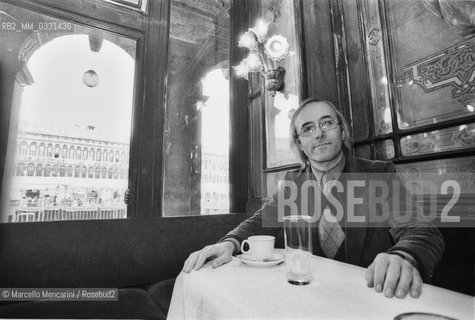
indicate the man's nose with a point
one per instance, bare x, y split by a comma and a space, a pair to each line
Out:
319, 133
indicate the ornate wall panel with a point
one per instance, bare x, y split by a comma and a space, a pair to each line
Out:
427, 178
447, 139
433, 66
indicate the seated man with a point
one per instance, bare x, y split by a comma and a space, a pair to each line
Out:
398, 254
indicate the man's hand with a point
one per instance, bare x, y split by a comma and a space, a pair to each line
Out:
220, 253
394, 275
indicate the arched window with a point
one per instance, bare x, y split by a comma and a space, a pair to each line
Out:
104, 173
78, 153
41, 150
39, 170
23, 150
122, 156
30, 170
77, 170
83, 172
32, 149
97, 173
47, 172
84, 154
116, 173
90, 173
49, 150
92, 154
64, 152
21, 170
111, 156
55, 171
71, 152
117, 156
110, 173
122, 174
70, 171
98, 155
62, 171
104, 155
57, 151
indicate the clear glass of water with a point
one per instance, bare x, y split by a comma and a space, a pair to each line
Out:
298, 249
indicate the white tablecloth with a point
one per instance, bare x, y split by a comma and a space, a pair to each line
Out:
338, 291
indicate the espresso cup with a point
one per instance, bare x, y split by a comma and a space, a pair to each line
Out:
260, 247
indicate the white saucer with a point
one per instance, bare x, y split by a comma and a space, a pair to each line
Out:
277, 258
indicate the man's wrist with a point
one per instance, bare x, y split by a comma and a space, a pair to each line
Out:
234, 243
406, 256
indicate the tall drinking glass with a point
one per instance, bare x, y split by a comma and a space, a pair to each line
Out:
298, 249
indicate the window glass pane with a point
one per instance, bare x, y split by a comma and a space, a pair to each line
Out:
279, 109
74, 93
425, 179
432, 61
452, 138
196, 148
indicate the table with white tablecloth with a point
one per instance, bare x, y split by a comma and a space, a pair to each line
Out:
338, 291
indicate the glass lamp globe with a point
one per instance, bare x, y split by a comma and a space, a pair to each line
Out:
90, 78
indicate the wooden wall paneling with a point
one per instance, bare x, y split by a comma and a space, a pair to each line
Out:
339, 42
359, 91
256, 127
386, 34
300, 49
319, 53
240, 160
149, 130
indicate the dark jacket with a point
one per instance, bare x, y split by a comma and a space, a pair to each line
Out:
363, 241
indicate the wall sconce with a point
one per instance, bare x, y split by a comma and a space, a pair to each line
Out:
264, 56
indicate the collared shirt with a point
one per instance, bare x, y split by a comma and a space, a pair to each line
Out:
332, 174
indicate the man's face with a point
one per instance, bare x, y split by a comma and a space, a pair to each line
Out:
321, 146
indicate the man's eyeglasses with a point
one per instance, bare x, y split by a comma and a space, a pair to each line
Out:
325, 125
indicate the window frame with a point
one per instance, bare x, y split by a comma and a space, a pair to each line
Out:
150, 31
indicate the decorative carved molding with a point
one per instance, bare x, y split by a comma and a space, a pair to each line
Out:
224, 4
459, 14
374, 36
130, 196
453, 67
30, 45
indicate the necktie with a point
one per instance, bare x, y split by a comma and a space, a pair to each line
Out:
330, 233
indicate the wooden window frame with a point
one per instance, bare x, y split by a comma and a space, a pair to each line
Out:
151, 35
